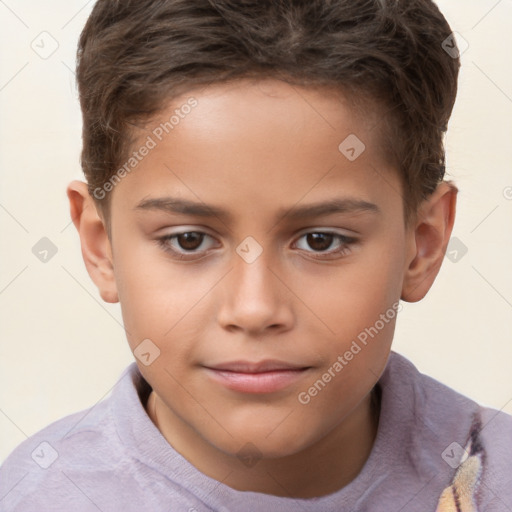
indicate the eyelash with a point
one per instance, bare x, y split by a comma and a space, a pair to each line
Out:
346, 242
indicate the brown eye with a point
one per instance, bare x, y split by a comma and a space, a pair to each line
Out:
319, 244
186, 245
319, 241
190, 241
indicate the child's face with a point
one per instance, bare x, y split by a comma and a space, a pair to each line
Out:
260, 153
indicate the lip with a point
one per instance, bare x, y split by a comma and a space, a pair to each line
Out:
267, 365
266, 376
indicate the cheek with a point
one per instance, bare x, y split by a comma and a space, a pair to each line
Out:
358, 306
146, 296
164, 303
354, 296
140, 269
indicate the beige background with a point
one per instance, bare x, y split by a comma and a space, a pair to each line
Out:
62, 349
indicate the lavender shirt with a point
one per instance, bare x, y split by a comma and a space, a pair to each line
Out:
112, 458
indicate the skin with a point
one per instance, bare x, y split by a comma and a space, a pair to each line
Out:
257, 149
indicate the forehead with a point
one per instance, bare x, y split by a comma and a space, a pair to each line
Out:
265, 143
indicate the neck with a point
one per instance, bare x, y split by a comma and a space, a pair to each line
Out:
323, 468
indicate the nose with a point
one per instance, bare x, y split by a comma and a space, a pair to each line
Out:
255, 299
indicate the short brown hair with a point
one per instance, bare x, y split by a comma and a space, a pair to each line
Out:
134, 56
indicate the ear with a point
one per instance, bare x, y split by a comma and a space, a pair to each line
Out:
429, 238
96, 248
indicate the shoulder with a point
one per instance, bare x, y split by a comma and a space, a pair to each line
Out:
496, 438
443, 403
434, 398
450, 426
59, 462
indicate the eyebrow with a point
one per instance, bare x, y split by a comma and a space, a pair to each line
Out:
174, 205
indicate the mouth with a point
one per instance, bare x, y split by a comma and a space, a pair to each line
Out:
266, 376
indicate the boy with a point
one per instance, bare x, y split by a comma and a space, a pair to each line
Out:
225, 143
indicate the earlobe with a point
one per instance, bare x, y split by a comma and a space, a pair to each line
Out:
430, 238
96, 249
